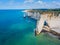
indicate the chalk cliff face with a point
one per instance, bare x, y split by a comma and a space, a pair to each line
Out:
53, 23
35, 15
52, 18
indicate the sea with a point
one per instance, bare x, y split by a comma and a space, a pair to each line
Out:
17, 30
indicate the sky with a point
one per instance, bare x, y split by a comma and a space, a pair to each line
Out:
29, 4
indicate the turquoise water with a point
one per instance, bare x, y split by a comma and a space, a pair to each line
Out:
16, 30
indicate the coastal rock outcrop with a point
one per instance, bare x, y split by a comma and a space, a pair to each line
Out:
52, 19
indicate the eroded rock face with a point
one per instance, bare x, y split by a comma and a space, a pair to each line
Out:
52, 19
53, 24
